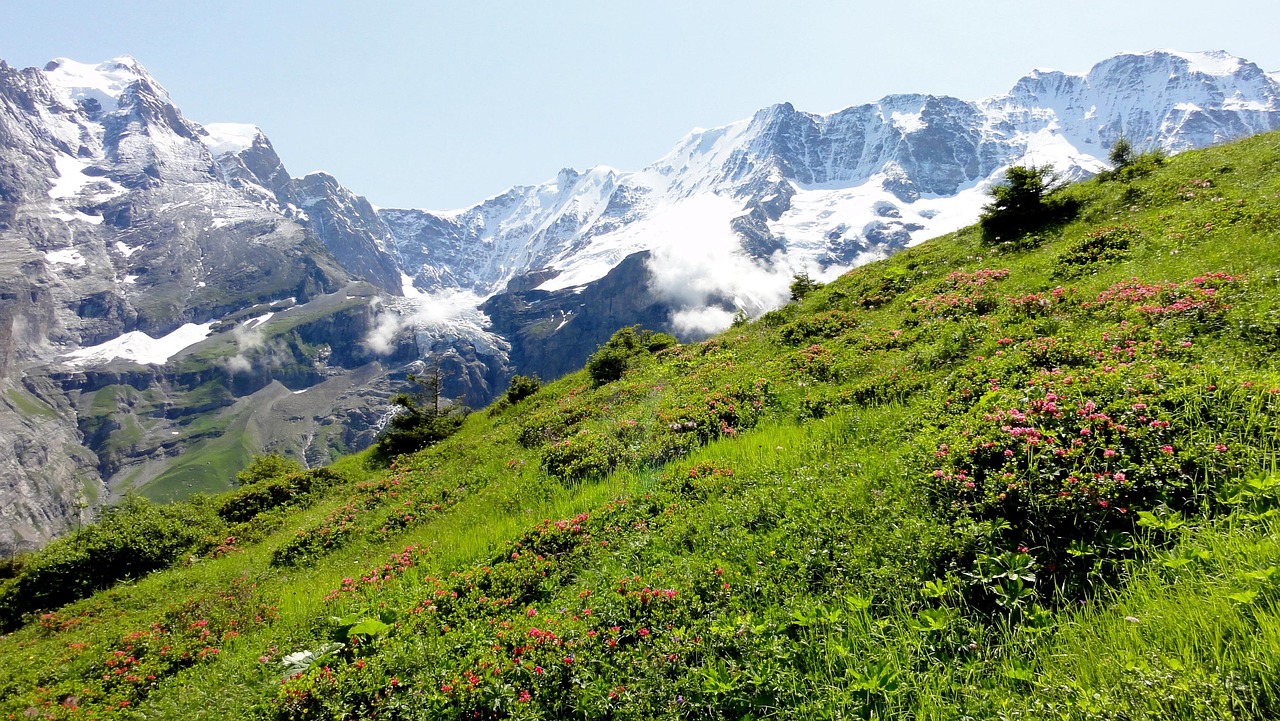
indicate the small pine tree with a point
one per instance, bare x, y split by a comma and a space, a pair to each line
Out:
1018, 205
803, 284
1121, 155
422, 421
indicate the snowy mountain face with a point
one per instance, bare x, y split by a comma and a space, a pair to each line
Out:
131, 236
735, 210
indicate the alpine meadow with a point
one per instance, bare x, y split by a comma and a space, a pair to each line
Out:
1026, 470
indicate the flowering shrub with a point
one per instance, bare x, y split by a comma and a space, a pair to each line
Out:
829, 324
333, 532
295, 489
583, 455
966, 294
1067, 456
1098, 247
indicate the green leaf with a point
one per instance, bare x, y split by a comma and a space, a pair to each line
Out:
369, 627
1244, 598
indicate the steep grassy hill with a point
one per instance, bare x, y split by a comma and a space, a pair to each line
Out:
1030, 479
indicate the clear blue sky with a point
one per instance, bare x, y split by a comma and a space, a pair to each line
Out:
441, 104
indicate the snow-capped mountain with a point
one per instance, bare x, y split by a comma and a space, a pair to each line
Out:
824, 192
144, 256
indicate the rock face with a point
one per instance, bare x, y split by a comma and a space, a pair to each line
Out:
173, 301
122, 222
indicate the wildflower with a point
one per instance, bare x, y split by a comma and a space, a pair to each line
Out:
524, 697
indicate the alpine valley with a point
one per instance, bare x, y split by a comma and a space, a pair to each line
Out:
173, 301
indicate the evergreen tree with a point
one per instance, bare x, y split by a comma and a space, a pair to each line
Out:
1121, 155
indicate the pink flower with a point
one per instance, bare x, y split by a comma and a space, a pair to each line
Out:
1219, 448
1166, 449
532, 612
524, 697
644, 632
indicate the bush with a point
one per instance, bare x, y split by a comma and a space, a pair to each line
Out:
131, 540
611, 360
244, 504
1020, 205
267, 467
584, 455
522, 387
1104, 245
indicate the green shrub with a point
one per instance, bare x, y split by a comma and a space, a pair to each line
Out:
522, 387
267, 467
1101, 246
584, 455
129, 541
249, 501
612, 359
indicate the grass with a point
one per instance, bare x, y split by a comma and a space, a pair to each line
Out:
1033, 480
29, 405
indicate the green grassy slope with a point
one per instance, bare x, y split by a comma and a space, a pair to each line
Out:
1029, 481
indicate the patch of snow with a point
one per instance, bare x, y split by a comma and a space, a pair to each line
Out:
908, 122
104, 82
1237, 103
201, 284
71, 178
130, 280
1214, 62
76, 215
1187, 107
67, 256
126, 250
409, 289
141, 348
225, 138
255, 322
298, 393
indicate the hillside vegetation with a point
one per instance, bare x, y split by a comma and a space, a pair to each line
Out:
1031, 477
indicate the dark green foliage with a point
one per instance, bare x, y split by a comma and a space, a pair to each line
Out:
1100, 247
267, 467
831, 324
522, 387
582, 456
1121, 155
423, 420
1022, 205
801, 285
131, 540
247, 502
611, 360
